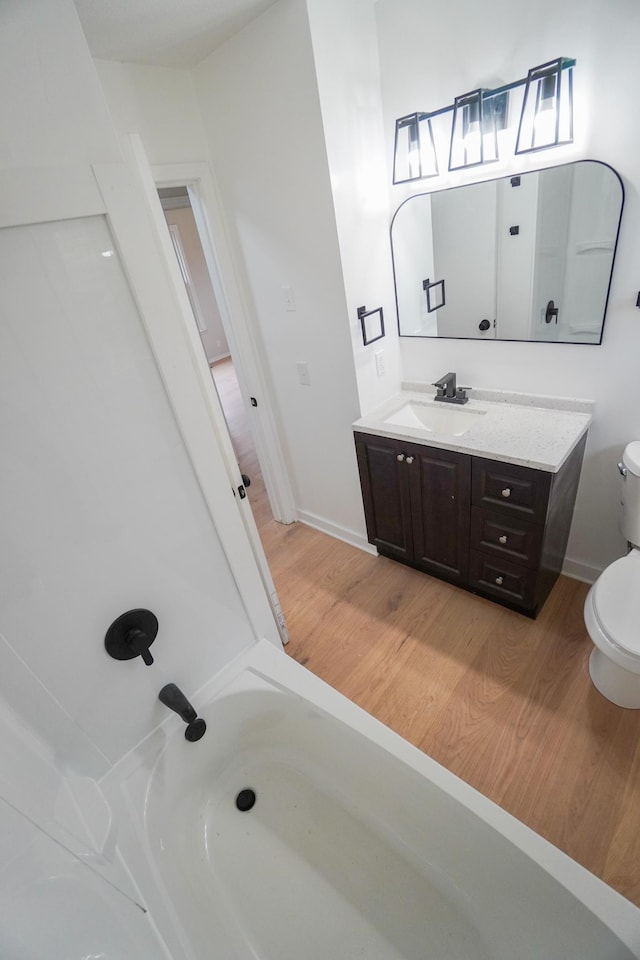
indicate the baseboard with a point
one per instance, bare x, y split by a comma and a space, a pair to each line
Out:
580, 571
222, 356
571, 568
334, 530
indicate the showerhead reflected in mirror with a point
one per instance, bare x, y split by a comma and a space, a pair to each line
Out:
526, 257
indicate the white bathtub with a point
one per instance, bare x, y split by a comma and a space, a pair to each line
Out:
358, 845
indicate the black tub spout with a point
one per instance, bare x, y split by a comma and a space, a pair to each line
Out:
173, 697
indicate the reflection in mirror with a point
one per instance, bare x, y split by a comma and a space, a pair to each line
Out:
527, 257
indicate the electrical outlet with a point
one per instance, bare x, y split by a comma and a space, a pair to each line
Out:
303, 373
380, 363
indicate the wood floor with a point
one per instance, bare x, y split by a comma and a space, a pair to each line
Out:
502, 701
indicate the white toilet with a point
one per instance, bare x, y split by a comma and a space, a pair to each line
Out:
612, 607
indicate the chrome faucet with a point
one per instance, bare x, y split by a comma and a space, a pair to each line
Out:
448, 392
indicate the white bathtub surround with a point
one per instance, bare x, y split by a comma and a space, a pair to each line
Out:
53, 906
514, 428
358, 843
63, 890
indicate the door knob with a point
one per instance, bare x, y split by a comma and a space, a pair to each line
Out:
502, 539
400, 457
499, 581
409, 459
506, 492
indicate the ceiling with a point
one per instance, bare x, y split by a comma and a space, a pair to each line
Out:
170, 33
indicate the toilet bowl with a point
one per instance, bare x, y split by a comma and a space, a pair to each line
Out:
612, 607
612, 617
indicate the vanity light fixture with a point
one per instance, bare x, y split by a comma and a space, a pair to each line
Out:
414, 156
474, 138
546, 119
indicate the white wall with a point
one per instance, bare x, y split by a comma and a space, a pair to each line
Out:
345, 51
52, 110
259, 101
466, 48
158, 103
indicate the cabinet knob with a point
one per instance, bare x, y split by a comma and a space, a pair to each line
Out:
409, 459
503, 538
400, 457
499, 581
506, 492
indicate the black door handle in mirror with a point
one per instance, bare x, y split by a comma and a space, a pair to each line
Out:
551, 312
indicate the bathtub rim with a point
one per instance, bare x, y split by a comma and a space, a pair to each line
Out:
126, 786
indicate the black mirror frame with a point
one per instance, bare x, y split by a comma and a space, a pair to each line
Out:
515, 180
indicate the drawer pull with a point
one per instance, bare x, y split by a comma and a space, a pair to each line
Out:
409, 459
400, 457
499, 581
506, 492
503, 538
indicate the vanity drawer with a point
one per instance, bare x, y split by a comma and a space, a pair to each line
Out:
512, 583
507, 536
517, 490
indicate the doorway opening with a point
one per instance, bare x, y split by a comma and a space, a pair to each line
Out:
207, 316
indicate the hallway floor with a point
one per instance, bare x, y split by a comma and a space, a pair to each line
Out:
502, 701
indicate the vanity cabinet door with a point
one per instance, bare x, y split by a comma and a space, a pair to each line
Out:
385, 491
440, 494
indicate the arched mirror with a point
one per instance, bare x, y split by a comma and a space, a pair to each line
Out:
526, 257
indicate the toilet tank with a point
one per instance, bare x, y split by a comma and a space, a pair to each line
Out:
630, 498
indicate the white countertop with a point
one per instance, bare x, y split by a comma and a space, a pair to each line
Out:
534, 431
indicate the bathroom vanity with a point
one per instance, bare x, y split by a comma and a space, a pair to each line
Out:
480, 495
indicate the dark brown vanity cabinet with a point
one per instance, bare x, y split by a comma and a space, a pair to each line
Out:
416, 503
498, 529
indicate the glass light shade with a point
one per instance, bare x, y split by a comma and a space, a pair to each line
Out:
473, 132
546, 119
414, 155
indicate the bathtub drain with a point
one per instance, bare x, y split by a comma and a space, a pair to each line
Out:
245, 800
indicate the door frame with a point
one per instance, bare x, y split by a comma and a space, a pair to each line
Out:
251, 371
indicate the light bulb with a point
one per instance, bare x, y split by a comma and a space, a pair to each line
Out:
544, 125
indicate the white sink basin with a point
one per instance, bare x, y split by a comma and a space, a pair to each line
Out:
454, 421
